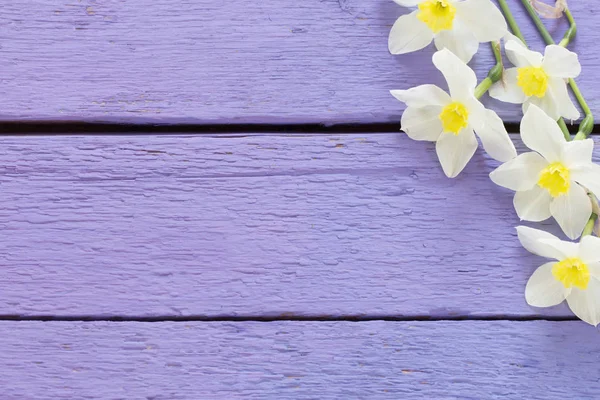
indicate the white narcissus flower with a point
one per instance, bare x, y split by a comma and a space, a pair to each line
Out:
550, 180
574, 275
539, 79
451, 120
456, 25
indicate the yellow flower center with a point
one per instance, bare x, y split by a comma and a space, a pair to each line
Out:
572, 272
438, 15
533, 81
454, 117
556, 179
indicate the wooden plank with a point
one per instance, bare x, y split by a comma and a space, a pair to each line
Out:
308, 360
254, 225
244, 61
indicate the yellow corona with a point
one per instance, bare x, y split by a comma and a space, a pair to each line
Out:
533, 81
454, 117
438, 15
572, 272
556, 179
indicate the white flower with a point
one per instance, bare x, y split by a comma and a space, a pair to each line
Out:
456, 25
574, 275
539, 80
450, 120
549, 180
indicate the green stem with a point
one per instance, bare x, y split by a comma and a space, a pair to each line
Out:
571, 32
512, 23
538, 22
589, 227
495, 73
564, 129
569, 16
587, 124
483, 87
579, 97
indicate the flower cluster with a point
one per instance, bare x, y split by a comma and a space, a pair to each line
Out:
556, 179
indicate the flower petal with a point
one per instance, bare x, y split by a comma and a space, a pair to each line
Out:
486, 29
594, 269
568, 249
409, 34
533, 205
572, 211
589, 176
495, 139
589, 249
408, 3
477, 112
562, 101
455, 151
543, 290
460, 41
422, 96
507, 90
521, 173
541, 133
422, 123
547, 104
578, 153
509, 36
461, 79
560, 62
521, 56
586, 303
534, 240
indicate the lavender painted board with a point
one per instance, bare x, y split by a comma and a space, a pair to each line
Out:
243, 61
261, 225
293, 360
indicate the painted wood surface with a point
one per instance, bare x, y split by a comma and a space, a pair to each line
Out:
293, 360
243, 61
254, 225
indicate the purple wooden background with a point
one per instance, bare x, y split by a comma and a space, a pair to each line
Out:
300, 360
206, 61
257, 226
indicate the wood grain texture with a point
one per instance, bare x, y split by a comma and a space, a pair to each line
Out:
369, 360
254, 226
243, 61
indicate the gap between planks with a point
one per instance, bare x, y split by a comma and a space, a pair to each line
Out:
292, 318
17, 128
